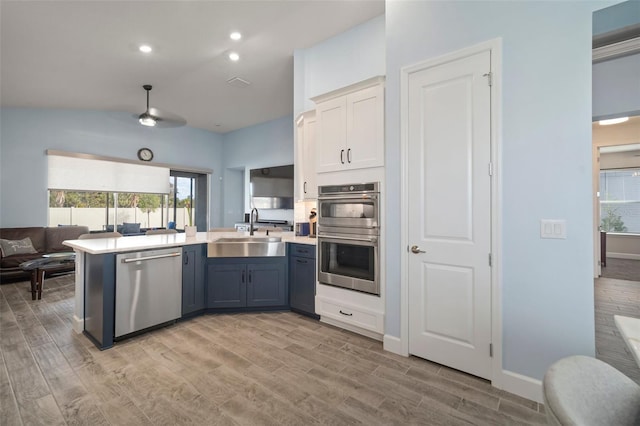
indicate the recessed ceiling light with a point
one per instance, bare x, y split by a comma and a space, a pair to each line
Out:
235, 36
613, 121
145, 48
234, 56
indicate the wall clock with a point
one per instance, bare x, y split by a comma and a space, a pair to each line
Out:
145, 154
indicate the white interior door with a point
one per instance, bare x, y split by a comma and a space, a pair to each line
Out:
449, 189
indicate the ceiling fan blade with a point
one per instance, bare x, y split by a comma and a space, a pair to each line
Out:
166, 119
162, 118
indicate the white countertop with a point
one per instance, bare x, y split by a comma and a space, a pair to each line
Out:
630, 330
146, 242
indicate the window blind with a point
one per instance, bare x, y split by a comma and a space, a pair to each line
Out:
85, 174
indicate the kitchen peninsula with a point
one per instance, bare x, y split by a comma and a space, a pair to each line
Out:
127, 285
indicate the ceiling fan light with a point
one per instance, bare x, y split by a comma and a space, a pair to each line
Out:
147, 120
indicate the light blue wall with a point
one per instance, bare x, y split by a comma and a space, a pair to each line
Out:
25, 135
547, 285
616, 87
617, 16
347, 58
616, 82
263, 145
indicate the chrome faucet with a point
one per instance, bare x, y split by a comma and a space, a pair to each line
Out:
251, 220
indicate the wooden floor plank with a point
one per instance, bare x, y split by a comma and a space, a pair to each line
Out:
232, 369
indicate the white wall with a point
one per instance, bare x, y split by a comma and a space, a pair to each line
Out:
623, 246
547, 285
26, 134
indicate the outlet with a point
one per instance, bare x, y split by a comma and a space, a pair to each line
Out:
553, 228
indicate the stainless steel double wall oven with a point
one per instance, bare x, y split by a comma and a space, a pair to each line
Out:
348, 234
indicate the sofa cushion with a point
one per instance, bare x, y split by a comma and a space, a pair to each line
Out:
130, 228
36, 234
13, 247
56, 235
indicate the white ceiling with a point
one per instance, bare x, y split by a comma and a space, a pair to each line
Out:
84, 54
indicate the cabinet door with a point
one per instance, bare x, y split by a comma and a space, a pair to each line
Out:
302, 283
266, 285
192, 279
309, 168
300, 159
331, 135
365, 128
226, 286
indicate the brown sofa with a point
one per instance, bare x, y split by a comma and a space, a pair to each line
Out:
44, 239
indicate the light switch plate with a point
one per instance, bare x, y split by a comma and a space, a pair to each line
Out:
553, 228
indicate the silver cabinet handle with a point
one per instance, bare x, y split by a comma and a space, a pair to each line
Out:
341, 156
349, 155
305, 187
159, 256
416, 249
344, 313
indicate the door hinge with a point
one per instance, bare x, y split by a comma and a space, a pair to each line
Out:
489, 76
490, 260
491, 350
490, 169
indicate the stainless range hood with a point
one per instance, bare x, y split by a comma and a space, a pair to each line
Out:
272, 187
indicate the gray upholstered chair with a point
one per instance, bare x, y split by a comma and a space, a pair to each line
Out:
580, 390
100, 235
160, 231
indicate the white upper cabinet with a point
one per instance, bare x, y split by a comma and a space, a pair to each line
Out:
350, 127
305, 156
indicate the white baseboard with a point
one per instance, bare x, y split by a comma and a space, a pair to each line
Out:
350, 327
623, 255
78, 324
393, 344
520, 385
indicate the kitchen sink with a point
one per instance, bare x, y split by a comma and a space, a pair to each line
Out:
246, 247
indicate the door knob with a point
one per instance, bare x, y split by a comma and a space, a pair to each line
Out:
416, 249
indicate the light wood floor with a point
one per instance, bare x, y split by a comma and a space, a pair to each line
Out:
253, 369
616, 297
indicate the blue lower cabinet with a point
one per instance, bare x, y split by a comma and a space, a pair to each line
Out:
266, 285
302, 278
227, 286
193, 278
247, 282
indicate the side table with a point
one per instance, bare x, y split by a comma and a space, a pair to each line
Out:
48, 263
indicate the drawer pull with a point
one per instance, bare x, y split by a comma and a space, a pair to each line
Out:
344, 313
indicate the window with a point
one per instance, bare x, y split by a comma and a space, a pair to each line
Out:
620, 200
104, 211
187, 199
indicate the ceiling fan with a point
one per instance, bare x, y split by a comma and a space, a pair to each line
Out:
153, 117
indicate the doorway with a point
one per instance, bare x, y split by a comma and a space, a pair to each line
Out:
450, 198
617, 222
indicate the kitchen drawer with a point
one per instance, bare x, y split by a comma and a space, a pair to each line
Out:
302, 250
354, 315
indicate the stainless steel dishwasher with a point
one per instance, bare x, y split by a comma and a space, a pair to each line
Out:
148, 289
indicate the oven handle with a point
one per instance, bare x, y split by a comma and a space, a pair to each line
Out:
338, 237
354, 197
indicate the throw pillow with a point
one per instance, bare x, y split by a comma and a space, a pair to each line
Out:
11, 247
130, 228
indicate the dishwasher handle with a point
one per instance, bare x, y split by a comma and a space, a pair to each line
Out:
159, 256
